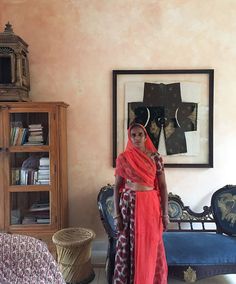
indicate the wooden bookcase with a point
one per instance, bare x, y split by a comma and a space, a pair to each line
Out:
33, 168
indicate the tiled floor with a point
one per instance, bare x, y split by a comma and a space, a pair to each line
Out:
227, 279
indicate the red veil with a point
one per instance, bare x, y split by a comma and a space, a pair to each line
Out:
135, 165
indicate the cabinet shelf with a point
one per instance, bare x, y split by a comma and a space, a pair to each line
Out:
29, 188
24, 148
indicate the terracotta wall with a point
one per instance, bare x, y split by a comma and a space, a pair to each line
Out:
75, 44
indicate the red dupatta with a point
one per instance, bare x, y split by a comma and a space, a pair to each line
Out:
135, 165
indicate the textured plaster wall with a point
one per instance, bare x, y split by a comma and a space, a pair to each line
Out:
75, 44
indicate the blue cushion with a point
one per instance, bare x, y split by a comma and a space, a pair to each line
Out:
194, 248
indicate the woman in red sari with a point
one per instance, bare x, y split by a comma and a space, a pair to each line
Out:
141, 212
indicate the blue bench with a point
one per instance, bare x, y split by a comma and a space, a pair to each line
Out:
198, 245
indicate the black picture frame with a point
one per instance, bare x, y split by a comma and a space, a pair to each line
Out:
196, 85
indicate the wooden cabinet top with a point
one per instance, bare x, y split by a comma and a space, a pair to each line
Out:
32, 104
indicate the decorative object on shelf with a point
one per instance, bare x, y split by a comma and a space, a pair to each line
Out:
175, 107
14, 67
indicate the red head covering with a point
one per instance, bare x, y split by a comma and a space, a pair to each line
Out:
135, 165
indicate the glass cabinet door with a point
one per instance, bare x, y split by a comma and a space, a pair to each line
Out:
29, 168
30, 181
29, 129
28, 208
2, 176
33, 168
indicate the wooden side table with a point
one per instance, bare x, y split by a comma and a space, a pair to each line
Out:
74, 247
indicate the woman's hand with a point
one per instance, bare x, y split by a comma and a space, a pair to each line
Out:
165, 221
119, 223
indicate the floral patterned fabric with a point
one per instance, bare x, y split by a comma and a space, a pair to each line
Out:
124, 260
153, 267
26, 260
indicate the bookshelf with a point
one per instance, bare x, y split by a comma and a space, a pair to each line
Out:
33, 179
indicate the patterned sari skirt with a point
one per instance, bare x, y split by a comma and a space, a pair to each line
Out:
140, 254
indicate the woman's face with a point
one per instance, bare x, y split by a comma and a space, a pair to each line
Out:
138, 137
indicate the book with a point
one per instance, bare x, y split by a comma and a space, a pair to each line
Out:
43, 181
29, 220
44, 167
12, 133
15, 176
35, 143
16, 133
36, 133
38, 206
43, 178
35, 130
32, 176
23, 177
44, 170
19, 137
35, 139
43, 220
34, 126
24, 136
40, 214
44, 161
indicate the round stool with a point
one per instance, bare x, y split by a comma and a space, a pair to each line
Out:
74, 254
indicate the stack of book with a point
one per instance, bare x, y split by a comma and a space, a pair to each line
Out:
35, 135
38, 213
44, 171
41, 212
28, 176
29, 220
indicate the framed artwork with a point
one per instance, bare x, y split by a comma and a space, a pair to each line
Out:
176, 108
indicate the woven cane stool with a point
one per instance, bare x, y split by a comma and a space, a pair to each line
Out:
74, 254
